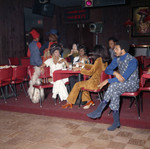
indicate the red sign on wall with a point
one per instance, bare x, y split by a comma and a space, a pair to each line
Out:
76, 14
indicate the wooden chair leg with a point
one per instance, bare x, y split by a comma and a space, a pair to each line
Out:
24, 89
131, 103
3, 95
40, 99
80, 97
13, 91
141, 102
137, 106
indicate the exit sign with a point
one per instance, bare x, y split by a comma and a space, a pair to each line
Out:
76, 14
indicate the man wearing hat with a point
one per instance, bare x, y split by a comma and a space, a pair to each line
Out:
53, 37
126, 80
35, 58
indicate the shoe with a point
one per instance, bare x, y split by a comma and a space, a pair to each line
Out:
116, 123
67, 105
87, 106
97, 113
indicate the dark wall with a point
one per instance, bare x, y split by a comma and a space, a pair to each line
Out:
12, 34
11, 29
113, 18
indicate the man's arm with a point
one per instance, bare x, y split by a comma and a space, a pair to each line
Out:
133, 64
110, 68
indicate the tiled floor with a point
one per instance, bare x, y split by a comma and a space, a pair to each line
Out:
28, 131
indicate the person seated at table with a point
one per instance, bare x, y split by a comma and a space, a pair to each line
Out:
126, 80
101, 57
74, 52
56, 63
78, 61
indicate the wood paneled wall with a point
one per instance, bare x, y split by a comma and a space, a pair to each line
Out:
113, 18
11, 30
12, 39
12, 34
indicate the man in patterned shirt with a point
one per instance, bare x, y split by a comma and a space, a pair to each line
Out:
125, 80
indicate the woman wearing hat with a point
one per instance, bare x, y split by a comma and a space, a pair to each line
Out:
56, 63
101, 58
35, 58
52, 39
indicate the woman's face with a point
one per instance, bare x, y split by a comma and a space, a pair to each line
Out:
111, 44
81, 52
74, 47
56, 53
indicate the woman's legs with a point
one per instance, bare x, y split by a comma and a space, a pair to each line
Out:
60, 89
75, 92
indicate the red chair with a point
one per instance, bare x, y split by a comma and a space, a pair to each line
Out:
104, 76
44, 76
144, 87
135, 96
19, 74
140, 60
13, 61
146, 62
25, 61
5, 79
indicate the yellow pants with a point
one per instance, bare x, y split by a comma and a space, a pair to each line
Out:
75, 92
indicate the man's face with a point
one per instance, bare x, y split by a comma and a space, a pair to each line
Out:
117, 50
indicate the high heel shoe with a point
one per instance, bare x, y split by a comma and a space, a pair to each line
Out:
67, 105
90, 103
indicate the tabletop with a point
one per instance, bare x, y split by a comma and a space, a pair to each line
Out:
61, 74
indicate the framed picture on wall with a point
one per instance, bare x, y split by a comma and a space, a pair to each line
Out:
141, 19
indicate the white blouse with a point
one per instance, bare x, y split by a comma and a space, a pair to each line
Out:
49, 63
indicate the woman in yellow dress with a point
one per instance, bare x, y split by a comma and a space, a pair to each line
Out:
101, 57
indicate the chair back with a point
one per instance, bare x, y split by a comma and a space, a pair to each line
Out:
5, 75
45, 74
104, 76
140, 60
146, 62
19, 73
25, 61
13, 61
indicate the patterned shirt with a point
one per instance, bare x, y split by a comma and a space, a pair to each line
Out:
132, 66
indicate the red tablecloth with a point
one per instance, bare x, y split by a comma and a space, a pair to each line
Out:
144, 77
61, 74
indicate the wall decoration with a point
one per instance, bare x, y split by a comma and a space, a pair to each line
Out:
141, 19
